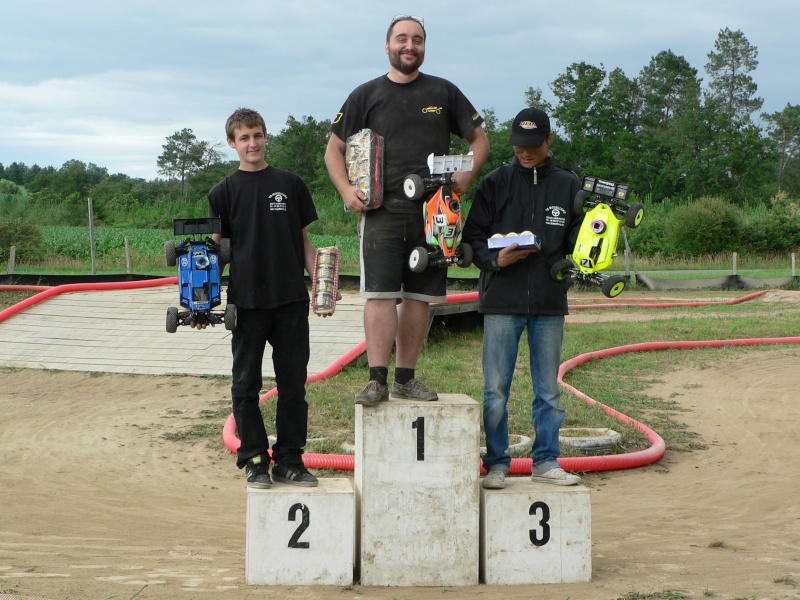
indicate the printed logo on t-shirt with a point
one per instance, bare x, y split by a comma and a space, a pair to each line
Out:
555, 215
277, 201
432, 109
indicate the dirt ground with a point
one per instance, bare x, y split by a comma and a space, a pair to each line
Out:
96, 504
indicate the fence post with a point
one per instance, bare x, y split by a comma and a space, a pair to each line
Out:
127, 255
793, 271
91, 237
735, 256
12, 260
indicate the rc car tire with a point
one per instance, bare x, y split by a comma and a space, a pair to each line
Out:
172, 319
230, 317
169, 251
465, 255
225, 250
580, 198
613, 286
557, 271
413, 187
634, 215
418, 259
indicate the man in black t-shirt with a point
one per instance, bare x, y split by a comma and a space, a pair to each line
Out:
265, 211
415, 113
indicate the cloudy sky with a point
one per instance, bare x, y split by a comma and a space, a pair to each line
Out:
107, 82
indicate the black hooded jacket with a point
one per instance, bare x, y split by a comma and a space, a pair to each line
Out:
515, 199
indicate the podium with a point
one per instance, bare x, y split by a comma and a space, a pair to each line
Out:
415, 515
417, 493
535, 533
301, 535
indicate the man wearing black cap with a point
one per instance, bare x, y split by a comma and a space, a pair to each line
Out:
531, 194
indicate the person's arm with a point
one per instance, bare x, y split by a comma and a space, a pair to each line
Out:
337, 170
309, 254
479, 145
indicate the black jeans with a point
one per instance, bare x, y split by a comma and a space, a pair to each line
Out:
285, 328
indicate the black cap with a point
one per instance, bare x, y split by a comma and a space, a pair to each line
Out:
531, 128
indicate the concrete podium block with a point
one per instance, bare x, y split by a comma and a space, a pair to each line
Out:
416, 479
535, 533
301, 535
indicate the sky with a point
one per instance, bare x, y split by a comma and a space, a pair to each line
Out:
108, 82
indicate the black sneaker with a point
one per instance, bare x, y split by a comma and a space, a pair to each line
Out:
257, 472
294, 475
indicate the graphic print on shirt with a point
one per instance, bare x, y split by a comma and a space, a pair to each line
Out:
555, 215
277, 201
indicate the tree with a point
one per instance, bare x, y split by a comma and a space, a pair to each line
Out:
535, 99
300, 148
578, 91
183, 155
783, 129
729, 69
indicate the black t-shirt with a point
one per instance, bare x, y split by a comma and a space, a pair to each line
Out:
415, 120
264, 213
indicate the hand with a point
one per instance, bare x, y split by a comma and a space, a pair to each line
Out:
354, 200
513, 253
463, 179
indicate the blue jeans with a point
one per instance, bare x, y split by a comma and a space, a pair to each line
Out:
501, 337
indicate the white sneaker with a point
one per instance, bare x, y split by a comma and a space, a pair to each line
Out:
494, 480
556, 476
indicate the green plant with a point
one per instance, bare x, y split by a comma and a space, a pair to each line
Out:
24, 236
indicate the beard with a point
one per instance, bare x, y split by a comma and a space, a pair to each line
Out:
406, 68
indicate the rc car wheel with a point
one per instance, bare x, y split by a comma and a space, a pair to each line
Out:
172, 319
225, 250
169, 250
464, 255
418, 260
634, 215
580, 198
230, 317
413, 187
559, 270
613, 286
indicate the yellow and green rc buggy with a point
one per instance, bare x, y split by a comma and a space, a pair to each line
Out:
605, 203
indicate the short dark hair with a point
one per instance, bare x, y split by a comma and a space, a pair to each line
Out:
243, 117
397, 18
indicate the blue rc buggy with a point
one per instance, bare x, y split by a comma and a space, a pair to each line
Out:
199, 260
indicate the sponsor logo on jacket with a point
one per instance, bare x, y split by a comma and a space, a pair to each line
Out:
555, 215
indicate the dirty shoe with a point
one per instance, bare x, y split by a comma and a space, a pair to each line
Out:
374, 393
413, 390
556, 476
257, 472
494, 480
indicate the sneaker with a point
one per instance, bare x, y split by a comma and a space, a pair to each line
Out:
494, 480
556, 476
257, 473
298, 475
413, 390
374, 393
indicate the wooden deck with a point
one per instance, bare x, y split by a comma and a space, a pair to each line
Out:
123, 331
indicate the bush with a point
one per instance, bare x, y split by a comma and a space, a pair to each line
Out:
707, 226
24, 236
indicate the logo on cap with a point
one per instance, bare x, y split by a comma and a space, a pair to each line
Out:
527, 125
